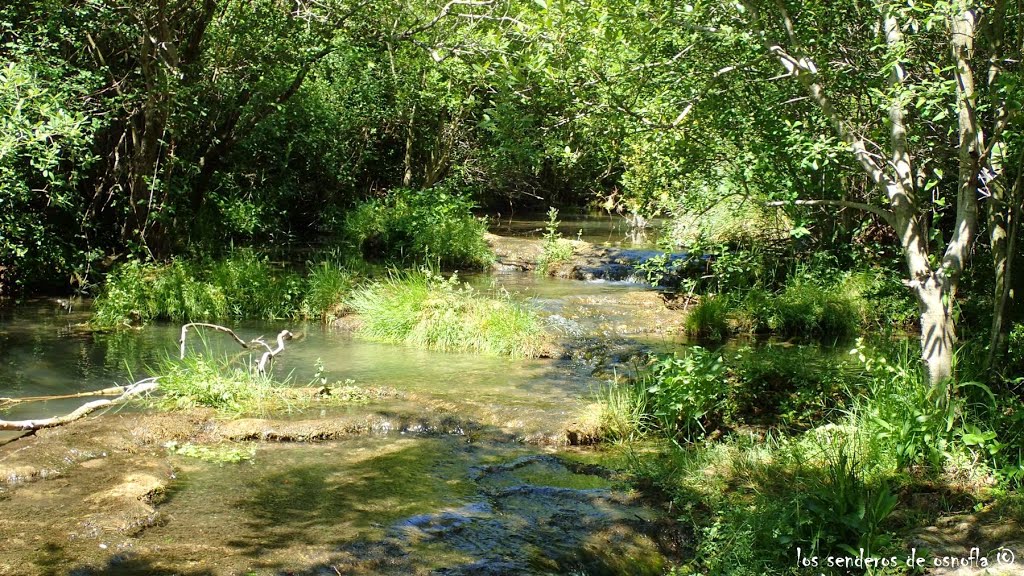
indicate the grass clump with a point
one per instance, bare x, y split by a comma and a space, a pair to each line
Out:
241, 285
709, 318
418, 226
802, 309
228, 388
425, 310
233, 388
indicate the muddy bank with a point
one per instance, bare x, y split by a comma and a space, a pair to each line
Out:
108, 495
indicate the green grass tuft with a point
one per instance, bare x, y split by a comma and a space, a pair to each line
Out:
709, 318
424, 310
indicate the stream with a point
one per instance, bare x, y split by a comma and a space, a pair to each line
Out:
466, 465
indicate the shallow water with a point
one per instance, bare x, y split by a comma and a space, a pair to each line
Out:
412, 500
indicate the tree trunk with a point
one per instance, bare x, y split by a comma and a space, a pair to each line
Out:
937, 329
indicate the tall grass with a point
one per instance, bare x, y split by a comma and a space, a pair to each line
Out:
230, 389
242, 285
425, 310
709, 318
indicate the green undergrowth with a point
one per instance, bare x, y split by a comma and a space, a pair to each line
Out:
701, 393
806, 307
764, 451
415, 226
234, 388
242, 285
425, 310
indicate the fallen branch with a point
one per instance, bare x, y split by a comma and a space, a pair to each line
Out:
140, 387
217, 327
113, 391
261, 367
125, 393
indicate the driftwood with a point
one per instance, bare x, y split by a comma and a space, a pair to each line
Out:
261, 366
112, 391
268, 355
129, 392
217, 327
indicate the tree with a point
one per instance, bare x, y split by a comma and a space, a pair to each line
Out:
915, 90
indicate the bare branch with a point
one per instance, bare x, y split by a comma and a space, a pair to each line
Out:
261, 367
219, 328
442, 14
136, 389
886, 215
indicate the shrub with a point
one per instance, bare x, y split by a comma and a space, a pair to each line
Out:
419, 226
1015, 350
424, 310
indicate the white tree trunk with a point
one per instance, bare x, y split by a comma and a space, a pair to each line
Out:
937, 329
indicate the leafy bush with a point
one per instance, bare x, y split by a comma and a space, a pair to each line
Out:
425, 310
1015, 350
419, 226
680, 396
45, 154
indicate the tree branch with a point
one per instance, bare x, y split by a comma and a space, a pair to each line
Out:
217, 327
886, 215
136, 389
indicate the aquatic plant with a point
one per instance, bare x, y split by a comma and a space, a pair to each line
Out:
425, 310
234, 388
215, 453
